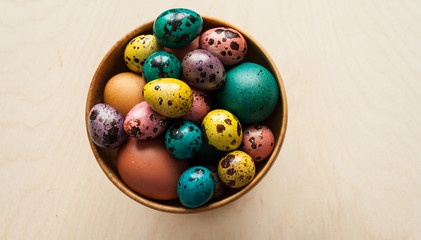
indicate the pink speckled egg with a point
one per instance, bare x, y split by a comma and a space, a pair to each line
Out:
258, 142
200, 107
142, 122
225, 43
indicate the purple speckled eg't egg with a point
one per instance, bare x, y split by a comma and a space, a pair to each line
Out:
258, 142
226, 43
203, 70
143, 123
200, 107
105, 126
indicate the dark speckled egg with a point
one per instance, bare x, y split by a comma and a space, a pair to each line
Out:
236, 169
183, 139
250, 93
161, 64
226, 43
143, 123
177, 27
105, 126
203, 70
169, 97
195, 186
258, 142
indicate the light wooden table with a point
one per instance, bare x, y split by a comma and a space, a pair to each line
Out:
350, 166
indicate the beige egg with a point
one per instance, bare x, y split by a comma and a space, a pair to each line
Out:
123, 91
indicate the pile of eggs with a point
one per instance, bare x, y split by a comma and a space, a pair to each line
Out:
187, 116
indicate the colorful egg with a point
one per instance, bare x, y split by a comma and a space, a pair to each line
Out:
148, 169
177, 27
236, 169
138, 50
203, 70
142, 122
161, 64
225, 43
168, 96
183, 139
200, 107
105, 126
251, 93
195, 186
123, 91
222, 130
258, 142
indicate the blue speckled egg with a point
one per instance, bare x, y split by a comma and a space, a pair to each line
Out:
161, 64
251, 93
177, 27
195, 186
183, 139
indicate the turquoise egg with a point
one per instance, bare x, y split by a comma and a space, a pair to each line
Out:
195, 186
251, 93
177, 27
161, 64
183, 139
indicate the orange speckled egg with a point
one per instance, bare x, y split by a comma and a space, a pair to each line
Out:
123, 91
148, 168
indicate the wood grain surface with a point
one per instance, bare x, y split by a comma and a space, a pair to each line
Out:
350, 165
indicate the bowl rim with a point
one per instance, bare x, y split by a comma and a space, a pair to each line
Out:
219, 203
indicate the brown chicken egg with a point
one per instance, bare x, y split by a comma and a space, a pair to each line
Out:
123, 91
148, 168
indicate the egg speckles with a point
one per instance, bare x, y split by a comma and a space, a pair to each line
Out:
168, 96
226, 43
258, 142
200, 107
203, 70
143, 123
177, 27
105, 126
236, 169
161, 65
183, 140
195, 186
251, 93
138, 50
222, 130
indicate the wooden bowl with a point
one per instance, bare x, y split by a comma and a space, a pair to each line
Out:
113, 63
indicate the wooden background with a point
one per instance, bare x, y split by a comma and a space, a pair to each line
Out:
350, 166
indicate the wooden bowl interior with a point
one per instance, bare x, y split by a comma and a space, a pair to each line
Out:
113, 63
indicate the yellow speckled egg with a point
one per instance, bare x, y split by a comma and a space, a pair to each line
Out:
236, 169
222, 130
169, 97
138, 50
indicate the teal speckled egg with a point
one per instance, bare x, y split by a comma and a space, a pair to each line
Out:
251, 93
161, 64
183, 139
195, 186
177, 27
